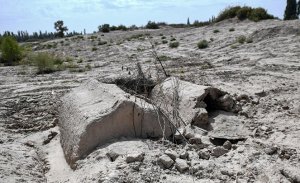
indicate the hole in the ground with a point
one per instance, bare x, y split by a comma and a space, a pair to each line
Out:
221, 141
210, 103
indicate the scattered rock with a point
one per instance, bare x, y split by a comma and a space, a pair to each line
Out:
191, 131
195, 140
201, 118
172, 154
184, 155
135, 157
112, 155
271, 150
29, 144
204, 154
179, 134
261, 94
192, 155
227, 145
219, 151
165, 162
181, 165
50, 137
243, 97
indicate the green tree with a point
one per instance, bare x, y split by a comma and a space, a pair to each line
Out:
291, 10
60, 28
11, 51
188, 22
152, 25
104, 28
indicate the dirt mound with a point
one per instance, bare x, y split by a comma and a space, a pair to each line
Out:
278, 31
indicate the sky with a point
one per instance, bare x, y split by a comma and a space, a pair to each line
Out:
35, 15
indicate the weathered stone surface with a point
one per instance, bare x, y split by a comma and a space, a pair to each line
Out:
95, 113
179, 134
204, 154
219, 151
112, 155
181, 165
135, 157
227, 145
186, 98
227, 126
192, 131
172, 154
195, 140
165, 161
184, 155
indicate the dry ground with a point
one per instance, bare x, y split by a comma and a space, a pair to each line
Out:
267, 69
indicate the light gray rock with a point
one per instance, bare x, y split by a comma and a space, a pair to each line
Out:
179, 134
135, 157
184, 155
95, 113
219, 151
204, 154
165, 161
186, 98
181, 165
172, 154
192, 131
228, 126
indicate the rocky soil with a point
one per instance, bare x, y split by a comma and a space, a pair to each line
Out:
263, 75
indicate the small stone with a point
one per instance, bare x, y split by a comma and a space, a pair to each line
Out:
227, 145
243, 97
172, 154
181, 165
204, 155
135, 157
112, 155
179, 134
219, 151
192, 155
271, 150
240, 149
55, 121
255, 100
195, 140
184, 155
201, 118
191, 131
264, 128
165, 162
136, 166
50, 137
29, 144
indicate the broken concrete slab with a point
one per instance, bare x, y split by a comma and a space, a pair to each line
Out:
95, 113
227, 126
185, 102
